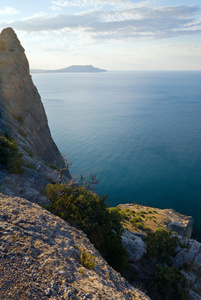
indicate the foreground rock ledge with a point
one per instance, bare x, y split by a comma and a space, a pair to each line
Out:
39, 259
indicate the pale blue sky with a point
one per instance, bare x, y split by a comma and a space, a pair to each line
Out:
110, 34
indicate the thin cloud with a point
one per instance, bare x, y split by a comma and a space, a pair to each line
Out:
90, 3
141, 22
9, 11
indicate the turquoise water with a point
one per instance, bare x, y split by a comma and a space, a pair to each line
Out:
140, 132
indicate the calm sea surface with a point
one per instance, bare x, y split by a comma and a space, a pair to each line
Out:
140, 132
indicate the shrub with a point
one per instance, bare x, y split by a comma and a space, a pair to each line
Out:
18, 118
135, 220
118, 210
28, 151
87, 260
141, 213
161, 244
9, 154
22, 133
87, 211
139, 225
54, 167
150, 211
30, 166
146, 228
170, 282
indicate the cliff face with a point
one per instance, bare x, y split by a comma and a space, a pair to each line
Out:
40, 259
22, 112
22, 116
186, 259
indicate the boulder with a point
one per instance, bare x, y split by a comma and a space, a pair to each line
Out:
134, 245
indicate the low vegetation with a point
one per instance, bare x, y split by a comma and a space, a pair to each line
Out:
22, 133
87, 260
87, 211
9, 154
54, 167
161, 244
170, 282
18, 118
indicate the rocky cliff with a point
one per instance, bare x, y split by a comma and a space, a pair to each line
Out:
153, 218
22, 116
40, 259
142, 219
22, 112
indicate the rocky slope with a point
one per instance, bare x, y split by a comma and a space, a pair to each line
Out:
40, 258
22, 116
187, 258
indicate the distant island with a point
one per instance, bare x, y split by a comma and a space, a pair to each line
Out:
71, 69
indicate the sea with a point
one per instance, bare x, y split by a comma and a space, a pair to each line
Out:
139, 132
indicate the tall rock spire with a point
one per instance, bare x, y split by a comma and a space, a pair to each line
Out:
21, 108
23, 117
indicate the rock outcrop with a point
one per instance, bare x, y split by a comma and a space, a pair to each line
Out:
22, 116
39, 256
20, 103
134, 245
165, 218
143, 268
189, 260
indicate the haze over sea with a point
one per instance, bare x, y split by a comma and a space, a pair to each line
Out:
140, 132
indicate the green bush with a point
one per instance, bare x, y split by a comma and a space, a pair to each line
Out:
141, 213
9, 154
18, 118
28, 151
30, 166
87, 260
135, 220
22, 133
171, 283
161, 244
139, 225
54, 167
148, 218
87, 211
119, 211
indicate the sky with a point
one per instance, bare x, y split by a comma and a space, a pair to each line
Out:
109, 34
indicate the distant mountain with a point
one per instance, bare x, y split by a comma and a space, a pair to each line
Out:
71, 69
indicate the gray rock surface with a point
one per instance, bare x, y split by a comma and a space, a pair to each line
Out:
134, 245
179, 223
24, 119
39, 258
189, 260
20, 103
